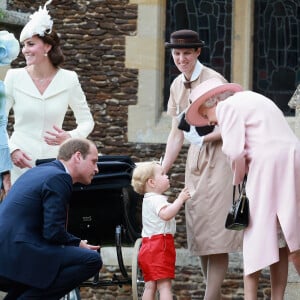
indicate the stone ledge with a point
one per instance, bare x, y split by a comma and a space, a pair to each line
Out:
183, 257
15, 18
292, 291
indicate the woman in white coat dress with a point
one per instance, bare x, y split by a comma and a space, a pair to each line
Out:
258, 140
40, 95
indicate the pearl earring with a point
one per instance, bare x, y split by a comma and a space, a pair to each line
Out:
45, 54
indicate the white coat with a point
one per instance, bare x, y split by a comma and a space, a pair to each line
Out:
36, 113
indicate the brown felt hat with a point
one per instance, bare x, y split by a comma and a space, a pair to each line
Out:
184, 38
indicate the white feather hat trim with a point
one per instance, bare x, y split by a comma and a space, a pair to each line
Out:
40, 23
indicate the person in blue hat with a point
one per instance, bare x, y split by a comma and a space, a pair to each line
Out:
9, 50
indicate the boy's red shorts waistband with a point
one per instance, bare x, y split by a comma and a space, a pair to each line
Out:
158, 236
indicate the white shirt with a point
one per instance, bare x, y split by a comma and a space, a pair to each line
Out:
152, 223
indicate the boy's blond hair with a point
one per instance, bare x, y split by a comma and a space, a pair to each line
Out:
141, 173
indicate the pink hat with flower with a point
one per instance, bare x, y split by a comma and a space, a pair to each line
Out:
204, 91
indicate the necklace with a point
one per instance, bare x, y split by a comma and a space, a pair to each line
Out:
38, 80
44, 80
41, 81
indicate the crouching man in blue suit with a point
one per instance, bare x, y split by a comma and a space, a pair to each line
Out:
39, 259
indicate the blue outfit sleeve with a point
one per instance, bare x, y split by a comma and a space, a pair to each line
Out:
5, 161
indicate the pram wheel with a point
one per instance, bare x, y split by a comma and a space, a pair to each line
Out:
138, 283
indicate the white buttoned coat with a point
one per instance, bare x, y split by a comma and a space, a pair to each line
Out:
36, 113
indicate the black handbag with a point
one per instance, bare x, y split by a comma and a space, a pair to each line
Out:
238, 215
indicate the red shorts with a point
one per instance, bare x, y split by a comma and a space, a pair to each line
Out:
157, 257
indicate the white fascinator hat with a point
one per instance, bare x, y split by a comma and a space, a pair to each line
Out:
40, 23
9, 47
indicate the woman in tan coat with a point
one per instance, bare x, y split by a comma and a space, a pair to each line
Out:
208, 175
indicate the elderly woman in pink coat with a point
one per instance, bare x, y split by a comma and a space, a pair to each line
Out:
258, 140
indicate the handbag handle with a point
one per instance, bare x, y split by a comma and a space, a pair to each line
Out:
240, 188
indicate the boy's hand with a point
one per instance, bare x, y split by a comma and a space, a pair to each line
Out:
184, 195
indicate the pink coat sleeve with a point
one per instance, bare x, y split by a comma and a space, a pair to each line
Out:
232, 129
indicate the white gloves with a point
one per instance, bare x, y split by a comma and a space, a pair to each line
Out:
193, 137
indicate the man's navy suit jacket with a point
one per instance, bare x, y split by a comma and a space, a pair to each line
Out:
33, 225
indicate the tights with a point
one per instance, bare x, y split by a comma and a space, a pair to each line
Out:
279, 274
214, 269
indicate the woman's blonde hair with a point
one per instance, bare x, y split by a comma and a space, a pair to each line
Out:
141, 173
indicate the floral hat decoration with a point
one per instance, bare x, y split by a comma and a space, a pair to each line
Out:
9, 47
40, 23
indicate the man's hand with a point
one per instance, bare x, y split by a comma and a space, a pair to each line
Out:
84, 244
